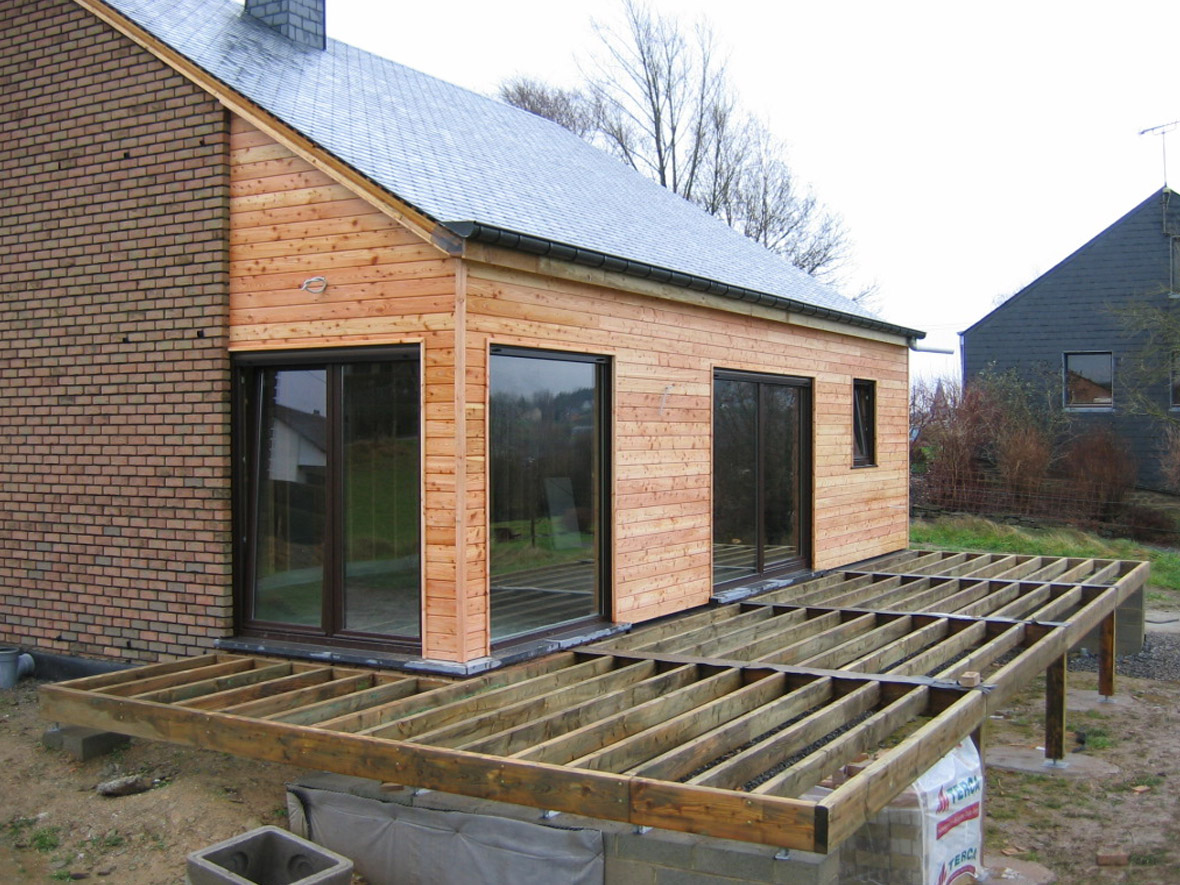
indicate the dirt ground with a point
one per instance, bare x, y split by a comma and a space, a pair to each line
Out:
1063, 821
55, 827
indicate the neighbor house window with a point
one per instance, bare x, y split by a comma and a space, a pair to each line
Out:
1089, 380
328, 496
864, 423
1175, 399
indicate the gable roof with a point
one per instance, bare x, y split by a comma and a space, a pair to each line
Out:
480, 168
1160, 203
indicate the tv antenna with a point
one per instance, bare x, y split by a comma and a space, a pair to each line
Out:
1162, 131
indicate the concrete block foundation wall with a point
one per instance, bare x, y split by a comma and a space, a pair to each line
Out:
114, 377
886, 851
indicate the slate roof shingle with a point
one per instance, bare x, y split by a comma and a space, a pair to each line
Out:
470, 162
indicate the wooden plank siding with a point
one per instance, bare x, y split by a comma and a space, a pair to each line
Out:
664, 353
389, 285
386, 285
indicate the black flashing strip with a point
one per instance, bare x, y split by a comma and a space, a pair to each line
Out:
498, 236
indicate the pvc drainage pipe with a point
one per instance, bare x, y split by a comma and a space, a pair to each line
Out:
13, 665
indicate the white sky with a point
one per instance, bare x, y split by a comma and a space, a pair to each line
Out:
969, 147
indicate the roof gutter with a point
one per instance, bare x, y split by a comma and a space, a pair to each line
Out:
508, 239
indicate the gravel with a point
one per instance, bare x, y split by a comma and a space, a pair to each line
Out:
1159, 659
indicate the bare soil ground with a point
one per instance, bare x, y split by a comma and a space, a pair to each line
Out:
1063, 821
55, 827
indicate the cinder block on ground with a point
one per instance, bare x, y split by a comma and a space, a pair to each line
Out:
268, 856
83, 743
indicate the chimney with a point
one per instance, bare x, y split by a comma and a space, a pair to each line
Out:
299, 20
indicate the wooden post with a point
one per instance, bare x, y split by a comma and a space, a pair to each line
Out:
1055, 710
978, 737
1106, 651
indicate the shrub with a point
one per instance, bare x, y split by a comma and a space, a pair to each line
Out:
1147, 524
1100, 471
1170, 458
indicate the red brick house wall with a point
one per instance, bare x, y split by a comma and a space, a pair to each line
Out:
114, 377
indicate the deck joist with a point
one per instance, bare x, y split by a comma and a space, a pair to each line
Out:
720, 722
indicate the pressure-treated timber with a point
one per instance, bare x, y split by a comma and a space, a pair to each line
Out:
717, 722
1106, 654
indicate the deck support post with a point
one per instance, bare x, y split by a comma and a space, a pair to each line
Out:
1106, 652
1055, 710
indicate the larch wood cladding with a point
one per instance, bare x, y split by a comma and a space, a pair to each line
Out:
385, 285
664, 354
388, 285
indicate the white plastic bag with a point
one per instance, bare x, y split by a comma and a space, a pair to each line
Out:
950, 795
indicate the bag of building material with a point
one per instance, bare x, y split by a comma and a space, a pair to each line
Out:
950, 796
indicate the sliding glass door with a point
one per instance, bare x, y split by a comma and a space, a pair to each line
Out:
548, 488
329, 509
761, 475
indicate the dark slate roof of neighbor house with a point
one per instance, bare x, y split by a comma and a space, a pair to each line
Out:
483, 169
1164, 209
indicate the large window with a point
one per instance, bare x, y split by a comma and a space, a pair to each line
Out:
1089, 380
548, 490
761, 475
328, 496
864, 423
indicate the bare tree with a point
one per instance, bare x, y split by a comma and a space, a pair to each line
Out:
570, 108
770, 207
659, 98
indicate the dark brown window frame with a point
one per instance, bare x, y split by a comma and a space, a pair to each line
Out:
803, 561
604, 378
864, 423
246, 416
1067, 402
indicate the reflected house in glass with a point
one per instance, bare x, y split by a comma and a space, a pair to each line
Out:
430, 377
1082, 329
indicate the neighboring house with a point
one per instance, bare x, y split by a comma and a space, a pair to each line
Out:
301, 350
1080, 328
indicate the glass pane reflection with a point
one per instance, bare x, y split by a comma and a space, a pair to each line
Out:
381, 498
289, 551
735, 480
545, 447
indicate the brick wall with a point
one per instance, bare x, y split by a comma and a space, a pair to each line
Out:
114, 414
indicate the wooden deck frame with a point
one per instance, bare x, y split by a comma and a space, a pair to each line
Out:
718, 722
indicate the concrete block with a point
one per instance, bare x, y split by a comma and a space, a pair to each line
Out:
745, 862
807, 868
628, 872
659, 847
83, 743
267, 855
692, 877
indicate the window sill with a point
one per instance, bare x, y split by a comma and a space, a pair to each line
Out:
861, 466
510, 653
1084, 410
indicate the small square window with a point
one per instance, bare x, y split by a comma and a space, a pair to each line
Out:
864, 423
1175, 400
1089, 380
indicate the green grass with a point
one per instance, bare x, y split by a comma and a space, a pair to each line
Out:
1098, 739
974, 533
46, 838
